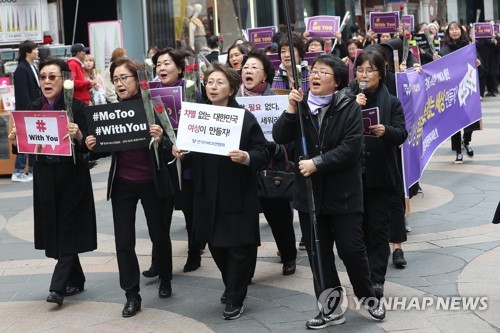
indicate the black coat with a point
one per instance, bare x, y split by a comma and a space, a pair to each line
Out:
26, 86
63, 200
225, 193
381, 166
335, 149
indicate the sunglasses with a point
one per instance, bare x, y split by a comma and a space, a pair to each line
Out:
51, 77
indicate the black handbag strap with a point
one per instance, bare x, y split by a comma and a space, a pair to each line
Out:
287, 161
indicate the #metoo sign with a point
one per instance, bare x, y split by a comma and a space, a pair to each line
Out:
118, 126
42, 132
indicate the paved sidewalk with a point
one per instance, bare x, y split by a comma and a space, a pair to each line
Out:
452, 251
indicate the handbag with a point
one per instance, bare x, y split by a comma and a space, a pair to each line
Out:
274, 183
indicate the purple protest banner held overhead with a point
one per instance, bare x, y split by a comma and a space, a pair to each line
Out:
261, 37
437, 103
407, 21
322, 26
483, 30
381, 22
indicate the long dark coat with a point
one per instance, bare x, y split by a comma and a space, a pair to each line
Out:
63, 201
225, 193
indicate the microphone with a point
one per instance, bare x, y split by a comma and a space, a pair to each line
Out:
362, 87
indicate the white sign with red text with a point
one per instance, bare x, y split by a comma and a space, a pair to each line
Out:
209, 129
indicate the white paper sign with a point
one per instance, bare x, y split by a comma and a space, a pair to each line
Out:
42, 131
209, 129
267, 110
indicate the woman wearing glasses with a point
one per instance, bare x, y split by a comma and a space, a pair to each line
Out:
63, 201
284, 76
225, 195
381, 178
135, 175
257, 75
333, 131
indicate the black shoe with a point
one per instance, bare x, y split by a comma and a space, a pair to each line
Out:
151, 272
321, 321
378, 288
232, 312
165, 290
468, 149
398, 258
377, 312
192, 264
55, 297
302, 246
131, 307
70, 290
289, 268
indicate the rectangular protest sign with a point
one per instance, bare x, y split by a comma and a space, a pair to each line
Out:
310, 56
370, 117
407, 21
483, 30
437, 103
209, 129
261, 37
267, 110
322, 26
118, 126
384, 22
171, 98
42, 132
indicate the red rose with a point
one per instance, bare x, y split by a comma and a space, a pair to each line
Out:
401, 6
221, 38
159, 108
195, 67
189, 69
408, 35
144, 85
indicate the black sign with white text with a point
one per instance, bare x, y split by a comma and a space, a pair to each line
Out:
118, 126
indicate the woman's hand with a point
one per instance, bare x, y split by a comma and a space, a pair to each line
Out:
156, 132
90, 142
12, 137
178, 153
345, 60
402, 66
74, 131
377, 130
294, 98
307, 167
417, 68
238, 156
338, 36
361, 99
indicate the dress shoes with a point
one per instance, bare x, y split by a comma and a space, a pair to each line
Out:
151, 272
289, 268
165, 290
73, 290
192, 264
55, 297
131, 307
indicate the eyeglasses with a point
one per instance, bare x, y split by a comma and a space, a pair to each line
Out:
253, 69
368, 71
121, 78
320, 73
215, 83
51, 77
315, 44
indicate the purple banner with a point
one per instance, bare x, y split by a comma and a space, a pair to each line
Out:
310, 56
171, 97
437, 103
275, 60
322, 26
261, 37
483, 30
382, 23
407, 21
496, 28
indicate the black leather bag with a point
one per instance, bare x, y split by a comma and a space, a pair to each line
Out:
274, 183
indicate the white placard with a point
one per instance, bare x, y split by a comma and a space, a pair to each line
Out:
267, 110
209, 129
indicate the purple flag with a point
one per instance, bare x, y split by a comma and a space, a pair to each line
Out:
322, 26
171, 97
382, 23
261, 37
437, 103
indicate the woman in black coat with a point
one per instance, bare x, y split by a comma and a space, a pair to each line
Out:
63, 201
225, 195
135, 175
381, 179
456, 37
333, 131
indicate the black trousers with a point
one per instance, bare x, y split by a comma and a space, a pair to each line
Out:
347, 233
279, 215
67, 272
234, 264
397, 228
124, 199
456, 140
377, 205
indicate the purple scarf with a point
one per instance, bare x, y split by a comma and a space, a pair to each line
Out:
316, 103
46, 105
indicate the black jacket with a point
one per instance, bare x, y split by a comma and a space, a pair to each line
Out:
335, 149
26, 85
